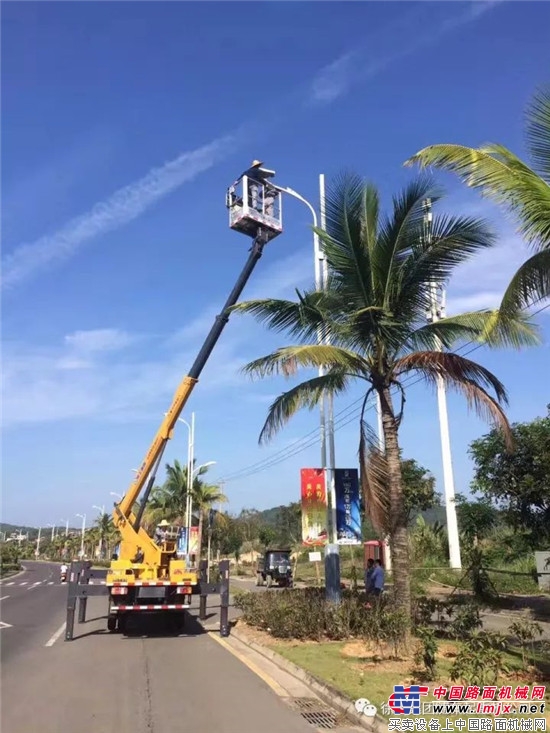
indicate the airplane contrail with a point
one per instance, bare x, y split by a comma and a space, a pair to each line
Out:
126, 204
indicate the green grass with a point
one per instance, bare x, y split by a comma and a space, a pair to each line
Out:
325, 661
357, 677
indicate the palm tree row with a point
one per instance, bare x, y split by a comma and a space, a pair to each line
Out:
372, 314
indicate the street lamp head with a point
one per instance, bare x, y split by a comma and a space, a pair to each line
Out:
204, 465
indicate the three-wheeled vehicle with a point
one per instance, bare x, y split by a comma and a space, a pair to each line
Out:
275, 567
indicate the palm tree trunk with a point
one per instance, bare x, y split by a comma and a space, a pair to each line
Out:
399, 543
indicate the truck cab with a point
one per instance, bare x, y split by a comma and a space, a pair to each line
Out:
275, 567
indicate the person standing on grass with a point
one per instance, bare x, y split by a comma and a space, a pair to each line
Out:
377, 578
368, 576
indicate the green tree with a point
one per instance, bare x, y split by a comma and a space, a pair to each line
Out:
205, 497
267, 535
232, 538
523, 190
476, 519
374, 312
418, 488
289, 525
519, 483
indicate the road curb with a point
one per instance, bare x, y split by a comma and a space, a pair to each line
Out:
325, 692
11, 577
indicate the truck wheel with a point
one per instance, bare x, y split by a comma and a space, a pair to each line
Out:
111, 623
122, 624
179, 621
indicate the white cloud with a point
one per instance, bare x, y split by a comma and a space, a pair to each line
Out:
101, 339
50, 385
480, 282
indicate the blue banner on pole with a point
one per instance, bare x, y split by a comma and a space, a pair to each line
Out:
182, 542
348, 506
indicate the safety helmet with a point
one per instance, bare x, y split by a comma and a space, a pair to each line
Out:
164, 523
256, 163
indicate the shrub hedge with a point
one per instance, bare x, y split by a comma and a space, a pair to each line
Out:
303, 613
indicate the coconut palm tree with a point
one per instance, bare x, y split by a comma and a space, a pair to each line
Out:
104, 524
169, 500
524, 190
374, 312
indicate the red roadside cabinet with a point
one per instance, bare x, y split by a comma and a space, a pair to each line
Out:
375, 549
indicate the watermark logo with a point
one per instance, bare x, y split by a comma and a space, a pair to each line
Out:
406, 700
365, 707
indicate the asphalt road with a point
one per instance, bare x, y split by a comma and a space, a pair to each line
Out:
32, 603
146, 682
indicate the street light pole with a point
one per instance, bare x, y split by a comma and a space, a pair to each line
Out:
332, 559
83, 530
318, 269
38, 542
66, 523
437, 297
189, 500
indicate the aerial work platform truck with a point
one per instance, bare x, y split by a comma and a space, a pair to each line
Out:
147, 575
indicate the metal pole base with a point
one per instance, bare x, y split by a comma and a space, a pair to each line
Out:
332, 574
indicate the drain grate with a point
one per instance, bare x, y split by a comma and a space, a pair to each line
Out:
316, 713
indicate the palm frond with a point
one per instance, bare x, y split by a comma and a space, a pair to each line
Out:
401, 232
530, 284
466, 377
538, 132
306, 394
490, 327
374, 480
288, 359
501, 176
343, 241
455, 239
301, 318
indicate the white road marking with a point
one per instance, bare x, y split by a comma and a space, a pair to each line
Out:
24, 582
51, 582
56, 636
12, 583
4, 625
4, 598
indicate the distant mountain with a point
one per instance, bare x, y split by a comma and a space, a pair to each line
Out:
272, 516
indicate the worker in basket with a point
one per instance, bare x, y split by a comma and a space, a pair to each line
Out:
160, 532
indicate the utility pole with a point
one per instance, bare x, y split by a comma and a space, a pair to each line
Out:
436, 311
37, 553
83, 531
189, 499
332, 552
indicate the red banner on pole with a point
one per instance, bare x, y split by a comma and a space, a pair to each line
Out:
314, 506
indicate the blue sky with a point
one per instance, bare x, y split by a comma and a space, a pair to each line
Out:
123, 124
